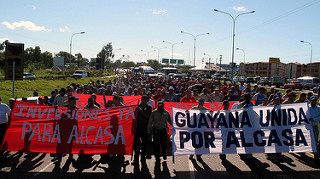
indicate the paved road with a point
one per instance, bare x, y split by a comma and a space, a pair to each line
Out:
19, 165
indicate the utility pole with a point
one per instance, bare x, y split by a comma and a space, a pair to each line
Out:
220, 62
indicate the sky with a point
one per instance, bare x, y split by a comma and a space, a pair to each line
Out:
274, 30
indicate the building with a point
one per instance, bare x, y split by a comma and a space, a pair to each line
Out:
290, 71
263, 69
296, 70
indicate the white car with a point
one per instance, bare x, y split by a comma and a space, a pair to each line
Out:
79, 74
28, 76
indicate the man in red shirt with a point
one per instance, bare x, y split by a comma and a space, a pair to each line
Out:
188, 97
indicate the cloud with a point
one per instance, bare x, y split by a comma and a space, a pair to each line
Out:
34, 7
240, 8
8, 25
28, 25
159, 12
65, 29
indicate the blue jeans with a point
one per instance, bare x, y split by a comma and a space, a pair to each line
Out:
316, 137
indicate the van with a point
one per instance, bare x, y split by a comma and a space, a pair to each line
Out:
309, 82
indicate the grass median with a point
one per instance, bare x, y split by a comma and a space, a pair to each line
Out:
42, 86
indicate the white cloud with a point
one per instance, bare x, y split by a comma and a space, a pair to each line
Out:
28, 25
158, 12
240, 8
34, 7
8, 25
65, 29
4, 39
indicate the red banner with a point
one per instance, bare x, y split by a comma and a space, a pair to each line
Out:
211, 106
46, 129
83, 99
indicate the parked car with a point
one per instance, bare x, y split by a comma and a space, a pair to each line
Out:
293, 85
256, 79
264, 82
249, 80
278, 81
79, 74
28, 76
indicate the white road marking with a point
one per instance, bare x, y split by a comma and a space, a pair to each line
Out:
42, 170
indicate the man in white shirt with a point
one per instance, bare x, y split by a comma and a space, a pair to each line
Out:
5, 112
313, 114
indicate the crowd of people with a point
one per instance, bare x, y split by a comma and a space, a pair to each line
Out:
153, 119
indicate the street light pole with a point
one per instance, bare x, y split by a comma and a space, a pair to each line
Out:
244, 54
148, 52
233, 33
310, 55
209, 62
71, 45
172, 45
158, 51
194, 44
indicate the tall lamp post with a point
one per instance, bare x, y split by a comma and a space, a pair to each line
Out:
172, 45
233, 33
209, 62
194, 44
244, 54
147, 52
158, 51
310, 54
71, 45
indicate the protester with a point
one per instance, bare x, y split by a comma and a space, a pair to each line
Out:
188, 97
91, 104
171, 96
158, 124
143, 112
5, 112
53, 95
291, 98
199, 107
313, 114
60, 99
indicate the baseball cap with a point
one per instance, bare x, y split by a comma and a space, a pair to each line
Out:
171, 88
313, 98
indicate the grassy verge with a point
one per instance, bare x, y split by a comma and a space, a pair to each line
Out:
43, 87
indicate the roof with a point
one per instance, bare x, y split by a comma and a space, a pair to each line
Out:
205, 67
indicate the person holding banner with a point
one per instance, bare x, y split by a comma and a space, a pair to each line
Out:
313, 114
143, 112
158, 123
199, 107
5, 112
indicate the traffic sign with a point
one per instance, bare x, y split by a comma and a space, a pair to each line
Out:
14, 53
165, 60
180, 61
173, 61
274, 60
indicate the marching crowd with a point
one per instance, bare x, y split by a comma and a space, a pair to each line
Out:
152, 118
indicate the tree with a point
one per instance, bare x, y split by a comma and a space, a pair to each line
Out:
66, 56
154, 64
106, 53
47, 59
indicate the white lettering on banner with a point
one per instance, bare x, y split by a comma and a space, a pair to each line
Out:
130, 113
251, 130
74, 134
46, 133
20, 114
